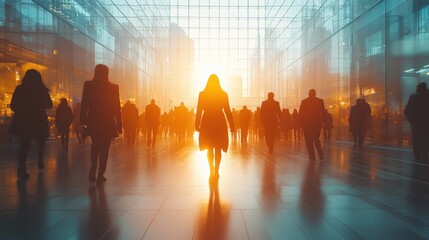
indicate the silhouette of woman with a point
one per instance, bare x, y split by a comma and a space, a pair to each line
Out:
100, 113
29, 103
213, 105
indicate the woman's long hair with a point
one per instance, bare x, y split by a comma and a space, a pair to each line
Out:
101, 73
213, 85
33, 79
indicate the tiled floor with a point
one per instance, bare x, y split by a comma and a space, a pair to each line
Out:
166, 193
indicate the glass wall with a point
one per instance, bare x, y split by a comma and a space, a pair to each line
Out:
222, 37
352, 49
64, 40
166, 49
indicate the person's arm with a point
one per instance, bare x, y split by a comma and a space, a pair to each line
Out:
198, 114
278, 113
84, 105
227, 110
117, 109
16, 102
322, 111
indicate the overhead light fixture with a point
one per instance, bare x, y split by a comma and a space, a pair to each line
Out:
409, 70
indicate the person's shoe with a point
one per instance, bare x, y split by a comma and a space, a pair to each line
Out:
41, 165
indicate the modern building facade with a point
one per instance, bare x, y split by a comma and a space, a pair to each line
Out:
345, 49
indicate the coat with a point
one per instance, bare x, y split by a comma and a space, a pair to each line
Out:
271, 114
29, 106
100, 109
210, 120
63, 118
311, 113
152, 115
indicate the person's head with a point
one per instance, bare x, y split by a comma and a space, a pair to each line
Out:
152, 101
213, 84
244, 107
182, 104
312, 93
34, 79
258, 108
295, 111
270, 95
358, 101
421, 87
101, 73
63, 101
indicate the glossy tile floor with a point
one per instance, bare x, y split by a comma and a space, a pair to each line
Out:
166, 193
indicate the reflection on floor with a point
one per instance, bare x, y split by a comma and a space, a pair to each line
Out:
166, 193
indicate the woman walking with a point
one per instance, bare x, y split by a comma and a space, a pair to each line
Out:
213, 105
29, 103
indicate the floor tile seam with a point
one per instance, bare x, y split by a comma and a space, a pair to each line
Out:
357, 236
245, 225
153, 220
396, 175
377, 156
397, 215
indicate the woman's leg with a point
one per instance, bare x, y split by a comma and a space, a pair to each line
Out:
41, 151
210, 158
218, 157
62, 139
67, 137
22, 156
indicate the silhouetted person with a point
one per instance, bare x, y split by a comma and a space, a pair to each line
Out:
63, 120
271, 116
213, 105
310, 117
130, 119
296, 125
76, 127
257, 123
29, 103
418, 115
100, 114
357, 123
153, 115
244, 117
328, 125
286, 123
181, 118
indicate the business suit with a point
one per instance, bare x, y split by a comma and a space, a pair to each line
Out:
270, 116
101, 113
311, 117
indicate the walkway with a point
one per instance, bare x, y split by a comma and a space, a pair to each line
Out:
166, 193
